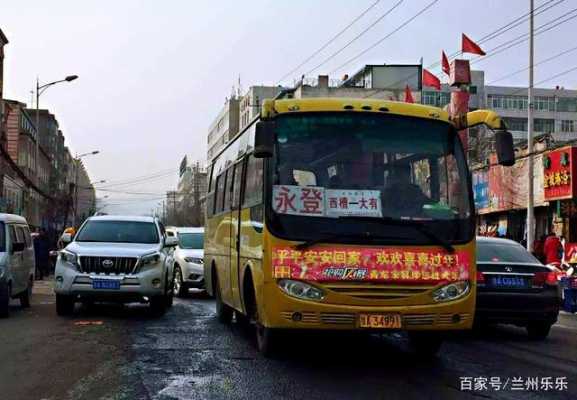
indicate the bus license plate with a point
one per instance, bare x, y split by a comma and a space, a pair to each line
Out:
106, 284
383, 321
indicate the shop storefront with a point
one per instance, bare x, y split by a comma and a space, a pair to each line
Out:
501, 199
560, 189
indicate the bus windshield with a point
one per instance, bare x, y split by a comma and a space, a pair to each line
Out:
362, 165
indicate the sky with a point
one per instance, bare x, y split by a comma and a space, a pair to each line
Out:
154, 74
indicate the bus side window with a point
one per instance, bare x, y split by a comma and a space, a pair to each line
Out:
254, 182
228, 191
219, 195
211, 193
236, 190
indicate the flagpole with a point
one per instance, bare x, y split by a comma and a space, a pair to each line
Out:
530, 190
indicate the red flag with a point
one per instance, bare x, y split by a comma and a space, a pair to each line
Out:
468, 46
445, 62
431, 80
408, 95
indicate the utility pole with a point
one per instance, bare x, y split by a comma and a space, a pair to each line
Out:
530, 189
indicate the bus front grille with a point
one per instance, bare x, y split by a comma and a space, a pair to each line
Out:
338, 318
451, 319
376, 291
304, 317
418, 319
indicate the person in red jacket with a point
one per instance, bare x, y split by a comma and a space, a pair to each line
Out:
553, 249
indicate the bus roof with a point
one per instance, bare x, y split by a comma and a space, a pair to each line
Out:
281, 106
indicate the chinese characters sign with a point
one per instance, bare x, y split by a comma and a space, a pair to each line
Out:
370, 264
366, 203
318, 201
558, 171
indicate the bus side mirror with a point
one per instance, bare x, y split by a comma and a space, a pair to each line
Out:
504, 148
264, 139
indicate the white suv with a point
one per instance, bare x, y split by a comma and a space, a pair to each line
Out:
120, 259
188, 259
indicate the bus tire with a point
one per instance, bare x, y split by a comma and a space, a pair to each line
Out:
266, 340
223, 311
426, 344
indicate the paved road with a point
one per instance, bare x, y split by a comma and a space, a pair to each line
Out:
187, 354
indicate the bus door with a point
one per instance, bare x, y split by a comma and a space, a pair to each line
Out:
237, 172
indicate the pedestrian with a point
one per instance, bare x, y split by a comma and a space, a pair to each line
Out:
42, 254
539, 248
553, 249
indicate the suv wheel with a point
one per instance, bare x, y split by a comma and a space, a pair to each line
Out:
158, 305
4, 300
64, 304
27, 294
180, 288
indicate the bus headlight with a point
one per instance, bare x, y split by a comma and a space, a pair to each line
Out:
300, 290
452, 291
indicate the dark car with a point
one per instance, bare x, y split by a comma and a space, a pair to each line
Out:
513, 287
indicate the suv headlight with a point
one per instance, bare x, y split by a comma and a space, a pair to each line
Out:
69, 257
150, 259
195, 260
452, 291
300, 290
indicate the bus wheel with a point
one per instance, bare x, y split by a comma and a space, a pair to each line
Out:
425, 344
266, 339
223, 312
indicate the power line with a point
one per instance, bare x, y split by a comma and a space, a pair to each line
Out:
140, 181
128, 180
514, 42
330, 41
333, 55
545, 80
523, 38
536, 64
386, 36
501, 30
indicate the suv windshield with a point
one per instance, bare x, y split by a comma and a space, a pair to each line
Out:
118, 232
503, 252
334, 165
191, 240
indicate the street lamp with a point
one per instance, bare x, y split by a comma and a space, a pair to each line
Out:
76, 165
39, 90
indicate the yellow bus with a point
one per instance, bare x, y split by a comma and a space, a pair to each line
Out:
334, 213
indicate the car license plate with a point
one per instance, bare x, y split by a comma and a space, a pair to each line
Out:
508, 282
109, 284
383, 321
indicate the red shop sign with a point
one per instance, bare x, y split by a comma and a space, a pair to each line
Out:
559, 169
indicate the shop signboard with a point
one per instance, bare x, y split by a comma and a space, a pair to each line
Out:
558, 171
501, 188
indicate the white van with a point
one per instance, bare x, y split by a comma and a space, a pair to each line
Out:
17, 262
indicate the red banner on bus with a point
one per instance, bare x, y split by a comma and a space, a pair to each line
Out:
396, 265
